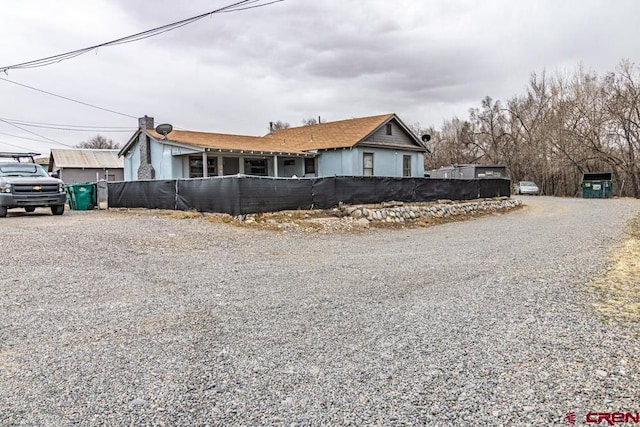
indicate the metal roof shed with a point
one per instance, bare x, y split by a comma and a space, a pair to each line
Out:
86, 165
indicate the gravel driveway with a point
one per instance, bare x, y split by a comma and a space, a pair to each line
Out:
115, 318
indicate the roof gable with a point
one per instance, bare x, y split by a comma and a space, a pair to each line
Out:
339, 134
401, 137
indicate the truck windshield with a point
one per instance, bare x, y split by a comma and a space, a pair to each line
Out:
22, 169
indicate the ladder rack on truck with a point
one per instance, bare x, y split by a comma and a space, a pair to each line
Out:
18, 156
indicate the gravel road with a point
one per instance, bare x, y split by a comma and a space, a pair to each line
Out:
116, 318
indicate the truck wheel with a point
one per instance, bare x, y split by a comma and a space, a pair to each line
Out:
57, 209
29, 209
3, 211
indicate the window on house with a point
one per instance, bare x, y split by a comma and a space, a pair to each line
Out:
406, 165
289, 162
367, 164
256, 167
309, 165
389, 129
196, 170
212, 166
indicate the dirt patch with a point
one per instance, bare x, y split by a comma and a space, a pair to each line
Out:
619, 288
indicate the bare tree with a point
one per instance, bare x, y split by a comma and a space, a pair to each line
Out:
310, 121
622, 89
279, 125
451, 144
99, 142
563, 126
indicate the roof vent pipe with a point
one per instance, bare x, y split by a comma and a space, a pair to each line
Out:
270, 128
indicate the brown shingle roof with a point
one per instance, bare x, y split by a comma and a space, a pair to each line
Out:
224, 141
340, 134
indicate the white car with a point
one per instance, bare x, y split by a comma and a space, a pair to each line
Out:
527, 187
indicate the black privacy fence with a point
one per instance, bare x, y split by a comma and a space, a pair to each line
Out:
237, 195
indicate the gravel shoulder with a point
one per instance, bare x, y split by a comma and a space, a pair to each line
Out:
112, 318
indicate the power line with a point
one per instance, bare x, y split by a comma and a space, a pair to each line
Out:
238, 9
77, 102
15, 146
68, 99
23, 137
234, 7
36, 134
77, 128
43, 124
87, 129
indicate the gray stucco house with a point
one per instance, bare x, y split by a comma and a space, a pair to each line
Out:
368, 146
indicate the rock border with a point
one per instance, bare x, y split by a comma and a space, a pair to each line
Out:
392, 214
398, 212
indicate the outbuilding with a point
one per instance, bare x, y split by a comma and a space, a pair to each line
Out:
469, 171
86, 165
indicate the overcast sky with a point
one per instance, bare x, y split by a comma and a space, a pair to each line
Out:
425, 60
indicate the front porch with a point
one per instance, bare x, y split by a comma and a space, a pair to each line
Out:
214, 162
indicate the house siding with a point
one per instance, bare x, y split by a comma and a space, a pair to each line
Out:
132, 163
162, 160
349, 162
296, 169
177, 167
398, 136
75, 175
389, 162
384, 161
330, 163
336, 162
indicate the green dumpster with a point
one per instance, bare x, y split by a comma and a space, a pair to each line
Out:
596, 185
81, 196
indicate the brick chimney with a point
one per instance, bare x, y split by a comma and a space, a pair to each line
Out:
145, 170
146, 122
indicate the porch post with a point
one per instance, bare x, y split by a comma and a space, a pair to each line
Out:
275, 166
205, 170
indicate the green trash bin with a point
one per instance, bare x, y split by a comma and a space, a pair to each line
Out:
597, 185
81, 196
71, 196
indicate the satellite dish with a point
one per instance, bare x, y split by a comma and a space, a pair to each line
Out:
426, 137
164, 129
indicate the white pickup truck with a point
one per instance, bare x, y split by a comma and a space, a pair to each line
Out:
25, 184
